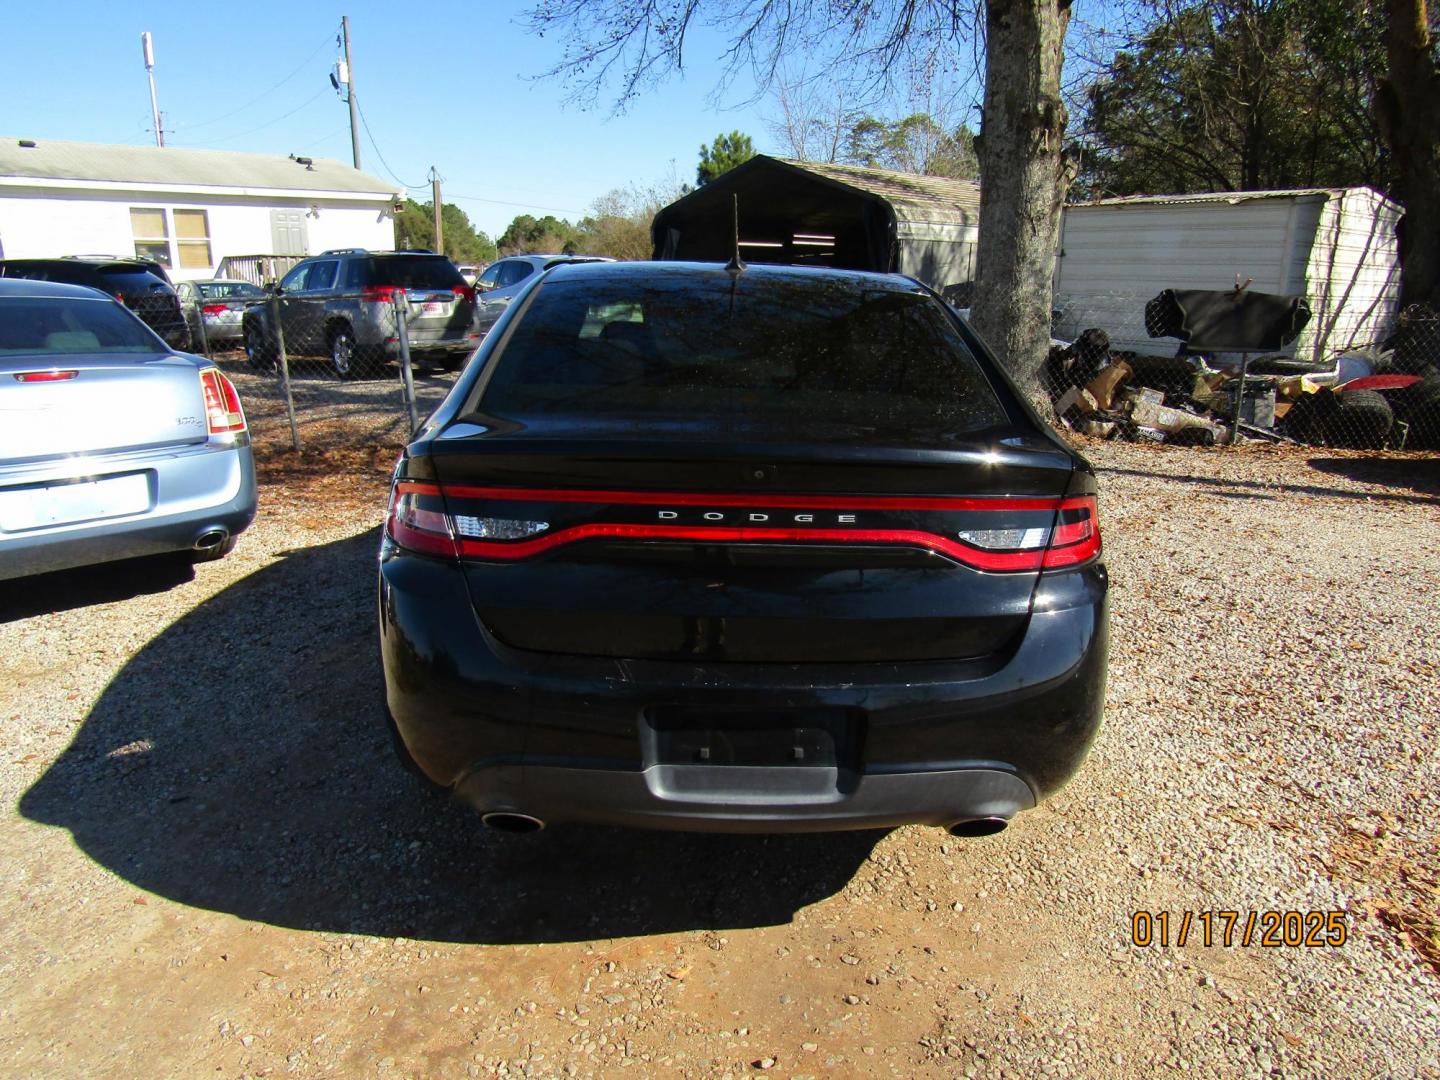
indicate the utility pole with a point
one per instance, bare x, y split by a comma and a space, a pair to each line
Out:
350, 91
147, 46
439, 225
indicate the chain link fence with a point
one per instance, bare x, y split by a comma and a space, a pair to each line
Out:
361, 369
349, 370
1115, 381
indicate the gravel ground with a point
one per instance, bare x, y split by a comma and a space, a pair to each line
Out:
211, 863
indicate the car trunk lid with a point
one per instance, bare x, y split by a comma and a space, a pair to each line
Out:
627, 541
64, 405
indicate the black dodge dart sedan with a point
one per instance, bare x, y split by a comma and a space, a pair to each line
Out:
740, 548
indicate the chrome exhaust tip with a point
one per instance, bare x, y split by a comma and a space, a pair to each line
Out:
982, 826
508, 821
210, 540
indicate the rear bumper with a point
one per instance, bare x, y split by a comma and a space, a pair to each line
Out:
748, 800
560, 737
195, 489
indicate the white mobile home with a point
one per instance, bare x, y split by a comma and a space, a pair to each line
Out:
187, 209
1334, 246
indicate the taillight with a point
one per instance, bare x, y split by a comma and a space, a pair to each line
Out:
1076, 537
418, 521
45, 376
464, 292
466, 522
213, 309
379, 293
223, 414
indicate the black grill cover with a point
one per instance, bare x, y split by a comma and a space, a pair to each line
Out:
1224, 319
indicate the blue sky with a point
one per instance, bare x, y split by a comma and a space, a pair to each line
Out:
454, 89
454, 86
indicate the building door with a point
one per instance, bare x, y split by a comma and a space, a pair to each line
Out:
287, 232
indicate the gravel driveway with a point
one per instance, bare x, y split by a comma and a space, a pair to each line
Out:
212, 866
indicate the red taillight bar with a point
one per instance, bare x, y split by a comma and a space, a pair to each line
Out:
379, 292
1071, 542
213, 309
45, 376
223, 414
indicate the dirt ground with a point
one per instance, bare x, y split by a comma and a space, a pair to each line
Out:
212, 865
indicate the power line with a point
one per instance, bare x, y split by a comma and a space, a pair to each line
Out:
263, 94
366, 125
523, 206
260, 127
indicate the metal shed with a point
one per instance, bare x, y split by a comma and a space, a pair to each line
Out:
1336, 247
804, 212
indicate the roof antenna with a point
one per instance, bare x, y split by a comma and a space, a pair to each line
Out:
736, 264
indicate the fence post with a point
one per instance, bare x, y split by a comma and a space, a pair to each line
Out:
200, 322
407, 379
284, 364
1239, 398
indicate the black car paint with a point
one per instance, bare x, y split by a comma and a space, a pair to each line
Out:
564, 736
141, 285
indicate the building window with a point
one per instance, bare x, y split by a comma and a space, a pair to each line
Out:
152, 238
192, 239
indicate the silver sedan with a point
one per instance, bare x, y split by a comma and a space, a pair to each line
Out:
220, 306
112, 445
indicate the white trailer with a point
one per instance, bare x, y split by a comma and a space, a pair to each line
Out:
1334, 246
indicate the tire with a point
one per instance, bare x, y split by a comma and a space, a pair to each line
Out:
345, 355
215, 555
259, 354
1361, 422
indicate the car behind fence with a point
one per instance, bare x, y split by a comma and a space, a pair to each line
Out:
360, 369
310, 376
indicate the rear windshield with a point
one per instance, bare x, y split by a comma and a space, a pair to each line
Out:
128, 279
777, 348
57, 325
224, 290
414, 272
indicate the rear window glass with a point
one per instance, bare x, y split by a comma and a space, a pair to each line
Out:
127, 279
54, 325
825, 348
415, 272
225, 290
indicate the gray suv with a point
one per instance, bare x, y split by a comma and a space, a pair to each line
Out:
341, 304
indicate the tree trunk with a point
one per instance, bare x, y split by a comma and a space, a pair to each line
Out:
1408, 108
1023, 180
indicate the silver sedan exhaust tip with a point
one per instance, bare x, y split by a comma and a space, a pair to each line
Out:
983, 826
210, 540
507, 821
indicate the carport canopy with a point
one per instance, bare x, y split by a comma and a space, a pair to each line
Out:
798, 213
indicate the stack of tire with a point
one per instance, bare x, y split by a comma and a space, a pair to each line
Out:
1354, 419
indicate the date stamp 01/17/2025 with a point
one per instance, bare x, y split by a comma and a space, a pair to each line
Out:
1266, 929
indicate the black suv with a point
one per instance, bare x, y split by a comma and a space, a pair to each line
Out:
139, 284
759, 549
342, 304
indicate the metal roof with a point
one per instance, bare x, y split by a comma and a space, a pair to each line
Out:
1230, 197
180, 169
913, 197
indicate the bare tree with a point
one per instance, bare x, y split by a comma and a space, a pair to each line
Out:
816, 116
635, 44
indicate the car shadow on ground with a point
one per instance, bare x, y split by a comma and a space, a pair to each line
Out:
64, 590
1349, 467
238, 763
1420, 475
